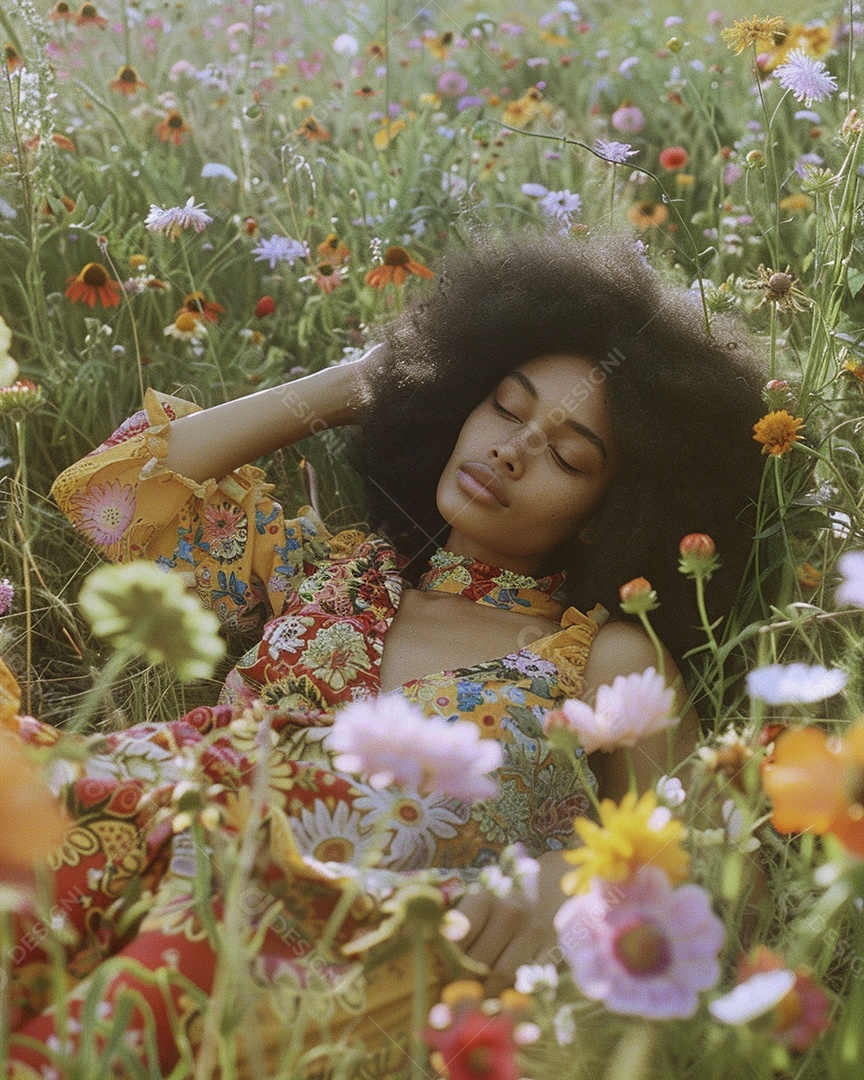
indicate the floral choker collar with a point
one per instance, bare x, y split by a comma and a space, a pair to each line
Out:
464, 576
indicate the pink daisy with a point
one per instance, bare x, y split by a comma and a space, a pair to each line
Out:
389, 741
640, 946
105, 511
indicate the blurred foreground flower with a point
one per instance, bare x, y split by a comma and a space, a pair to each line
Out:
395, 269
389, 741
632, 708
147, 612
8, 367
815, 783
475, 1046
177, 219
777, 432
91, 284
640, 946
637, 833
792, 684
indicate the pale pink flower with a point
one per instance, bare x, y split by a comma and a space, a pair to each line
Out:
640, 946
104, 511
632, 708
389, 741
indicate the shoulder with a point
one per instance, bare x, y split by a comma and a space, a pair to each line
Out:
619, 648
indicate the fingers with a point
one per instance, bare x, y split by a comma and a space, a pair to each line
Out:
503, 936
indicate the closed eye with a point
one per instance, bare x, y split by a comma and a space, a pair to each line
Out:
505, 412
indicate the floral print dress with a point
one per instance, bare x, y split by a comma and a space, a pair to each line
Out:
146, 801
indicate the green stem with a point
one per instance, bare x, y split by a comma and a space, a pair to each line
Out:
419, 1010
95, 695
655, 641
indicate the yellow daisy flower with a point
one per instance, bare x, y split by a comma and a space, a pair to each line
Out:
631, 835
762, 31
777, 431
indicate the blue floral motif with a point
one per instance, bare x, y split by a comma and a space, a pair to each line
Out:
469, 694
262, 522
184, 550
231, 587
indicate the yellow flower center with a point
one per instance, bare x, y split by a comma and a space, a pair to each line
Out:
94, 274
396, 256
186, 322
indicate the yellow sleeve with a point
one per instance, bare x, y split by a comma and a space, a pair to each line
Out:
229, 539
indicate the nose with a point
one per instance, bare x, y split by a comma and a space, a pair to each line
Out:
511, 454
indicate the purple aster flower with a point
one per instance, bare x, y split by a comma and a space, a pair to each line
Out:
560, 204
628, 119
805, 160
7, 595
640, 946
469, 101
616, 152
177, 219
452, 83
276, 249
389, 741
808, 79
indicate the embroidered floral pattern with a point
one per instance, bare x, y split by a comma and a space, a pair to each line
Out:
104, 511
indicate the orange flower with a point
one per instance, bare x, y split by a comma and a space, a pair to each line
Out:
61, 12
199, 305
63, 142
33, 819
127, 81
673, 157
311, 129
12, 57
777, 431
173, 127
327, 277
815, 782
93, 283
396, 267
333, 250
645, 214
89, 16
439, 45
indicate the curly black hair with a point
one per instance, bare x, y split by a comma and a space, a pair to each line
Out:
682, 402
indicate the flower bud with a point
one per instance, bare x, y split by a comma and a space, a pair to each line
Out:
674, 44
698, 556
637, 597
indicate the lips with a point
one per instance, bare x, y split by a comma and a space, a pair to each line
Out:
480, 476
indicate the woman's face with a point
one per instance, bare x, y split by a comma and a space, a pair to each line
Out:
531, 464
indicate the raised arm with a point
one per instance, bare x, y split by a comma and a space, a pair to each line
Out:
214, 442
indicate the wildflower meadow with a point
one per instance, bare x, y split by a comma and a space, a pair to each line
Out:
212, 197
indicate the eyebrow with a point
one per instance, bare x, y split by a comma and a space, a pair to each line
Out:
592, 436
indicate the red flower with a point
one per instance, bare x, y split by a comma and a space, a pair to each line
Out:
93, 283
674, 157
265, 306
199, 305
477, 1047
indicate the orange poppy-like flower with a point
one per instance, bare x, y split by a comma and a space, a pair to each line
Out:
173, 127
396, 267
93, 283
89, 16
815, 782
12, 57
311, 129
199, 305
127, 81
61, 12
777, 431
646, 213
332, 250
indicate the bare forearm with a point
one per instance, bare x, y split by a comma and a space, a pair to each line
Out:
214, 442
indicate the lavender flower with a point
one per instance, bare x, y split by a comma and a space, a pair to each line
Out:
808, 79
561, 204
389, 741
640, 946
276, 249
787, 684
177, 219
616, 152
